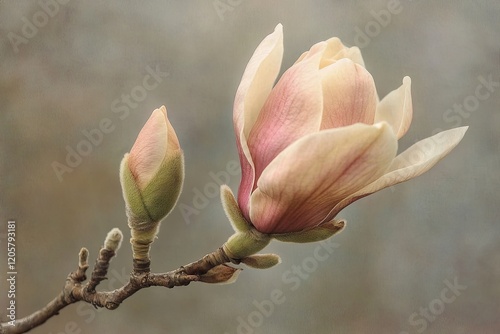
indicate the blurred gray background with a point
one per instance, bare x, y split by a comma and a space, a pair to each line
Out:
389, 271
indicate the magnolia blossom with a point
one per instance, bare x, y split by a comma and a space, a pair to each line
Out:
320, 138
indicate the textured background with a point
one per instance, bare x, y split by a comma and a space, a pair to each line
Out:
401, 246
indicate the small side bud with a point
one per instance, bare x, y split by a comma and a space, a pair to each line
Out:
221, 274
113, 240
83, 257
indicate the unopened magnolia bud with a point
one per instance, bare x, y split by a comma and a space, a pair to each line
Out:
152, 173
83, 257
151, 176
113, 240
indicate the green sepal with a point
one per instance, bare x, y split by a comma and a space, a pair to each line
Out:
244, 244
320, 232
131, 193
159, 197
162, 192
262, 261
232, 210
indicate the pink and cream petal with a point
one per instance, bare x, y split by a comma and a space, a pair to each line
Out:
413, 162
349, 95
293, 110
247, 179
256, 84
298, 188
396, 108
150, 148
258, 80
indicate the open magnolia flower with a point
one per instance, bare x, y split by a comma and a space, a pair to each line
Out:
320, 138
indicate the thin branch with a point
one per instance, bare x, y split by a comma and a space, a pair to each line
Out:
100, 269
208, 262
75, 291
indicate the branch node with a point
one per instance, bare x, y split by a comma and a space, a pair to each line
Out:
141, 266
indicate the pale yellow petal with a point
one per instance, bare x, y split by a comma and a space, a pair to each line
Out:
413, 162
396, 108
258, 80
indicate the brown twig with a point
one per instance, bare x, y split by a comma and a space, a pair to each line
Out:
74, 290
208, 262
